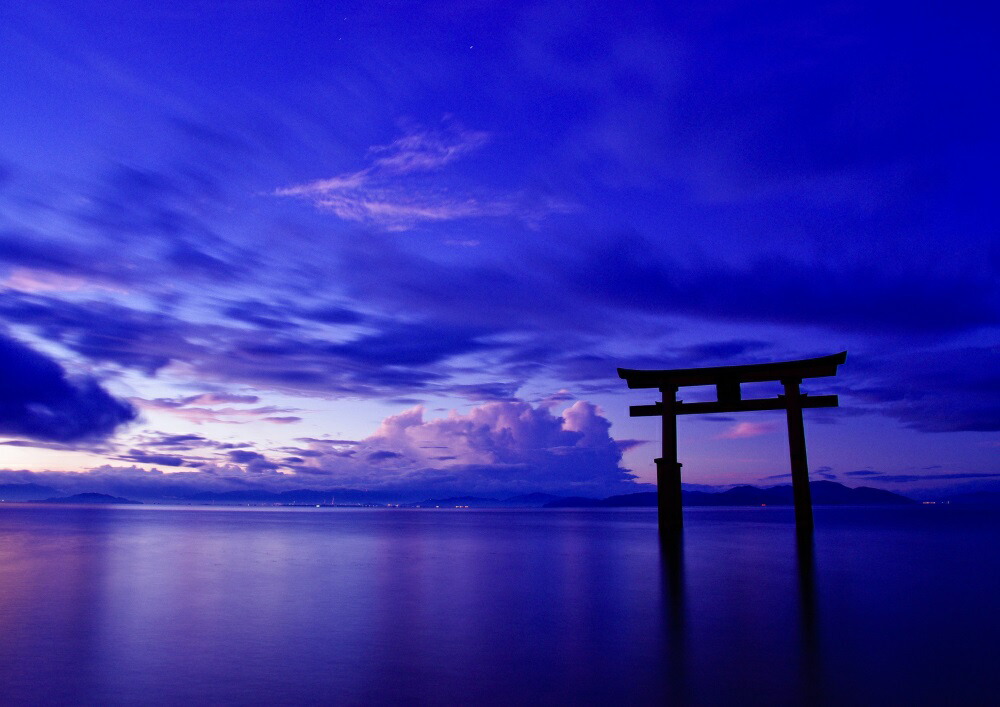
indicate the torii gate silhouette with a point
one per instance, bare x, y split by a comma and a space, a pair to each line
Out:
727, 380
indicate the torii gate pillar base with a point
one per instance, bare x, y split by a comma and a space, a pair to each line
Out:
668, 495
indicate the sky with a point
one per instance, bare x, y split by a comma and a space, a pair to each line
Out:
402, 247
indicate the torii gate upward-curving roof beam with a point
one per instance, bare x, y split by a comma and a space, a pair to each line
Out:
751, 373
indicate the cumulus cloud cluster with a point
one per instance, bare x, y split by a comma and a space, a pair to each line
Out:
497, 447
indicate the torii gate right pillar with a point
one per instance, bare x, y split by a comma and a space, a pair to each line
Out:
797, 455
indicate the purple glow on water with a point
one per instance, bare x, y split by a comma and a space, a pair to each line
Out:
167, 605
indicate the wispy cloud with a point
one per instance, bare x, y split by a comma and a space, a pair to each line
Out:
742, 430
30, 280
187, 409
397, 190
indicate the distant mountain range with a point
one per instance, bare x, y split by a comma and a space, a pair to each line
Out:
824, 493
98, 498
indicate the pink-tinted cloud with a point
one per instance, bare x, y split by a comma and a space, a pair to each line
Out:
742, 430
497, 446
32, 280
395, 191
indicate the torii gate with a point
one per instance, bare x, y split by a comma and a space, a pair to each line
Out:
727, 380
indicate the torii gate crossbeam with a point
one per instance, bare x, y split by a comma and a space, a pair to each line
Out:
727, 381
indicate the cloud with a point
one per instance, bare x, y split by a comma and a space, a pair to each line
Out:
496, 447
908, 478
633, 273
133, 228
409, 344
822, 472
185, 408
40, 401
396, 192
383, 454
388, 359
255, 462
742, 430
40, 445
29, 280
937, 390
142, 457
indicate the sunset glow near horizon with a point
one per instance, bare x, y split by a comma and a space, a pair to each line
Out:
403, 248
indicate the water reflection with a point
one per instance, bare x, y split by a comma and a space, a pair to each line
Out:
740, 609
672, 573
811, 671
112, 606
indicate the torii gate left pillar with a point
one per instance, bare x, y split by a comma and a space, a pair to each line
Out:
727, 381
668, 469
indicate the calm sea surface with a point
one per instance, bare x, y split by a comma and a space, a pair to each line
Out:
161, 605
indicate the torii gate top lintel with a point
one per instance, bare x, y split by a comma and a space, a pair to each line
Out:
750, 373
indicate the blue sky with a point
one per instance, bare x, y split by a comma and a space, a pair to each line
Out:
404, 247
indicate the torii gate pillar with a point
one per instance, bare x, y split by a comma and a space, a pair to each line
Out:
668, 469
727, 381
797, 455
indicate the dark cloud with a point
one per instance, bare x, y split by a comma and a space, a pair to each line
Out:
39, 445
255, 462
102, 331
629, 274
908, 478
329, 314
31, 250
38, 400
317, 440
284, 314
938, 390
139, 456
382, 454
260, 314
244, 456
632, 273
722, 350
179, 440
410, 345
480, 392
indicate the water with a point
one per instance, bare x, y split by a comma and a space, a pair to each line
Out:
155, 605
